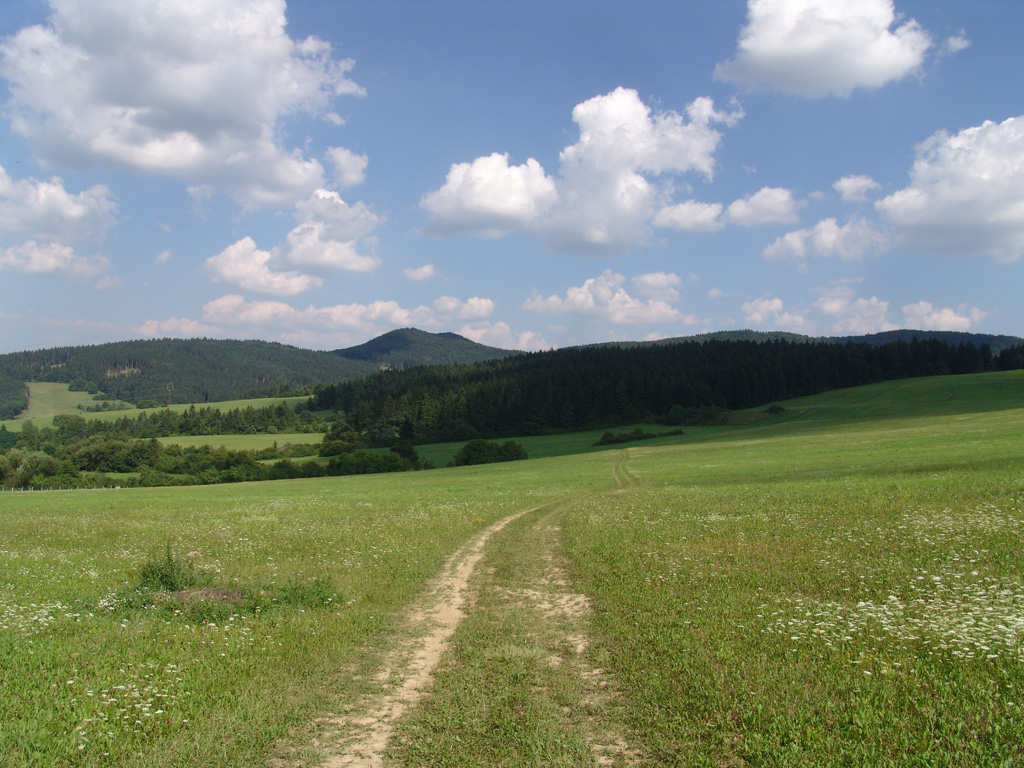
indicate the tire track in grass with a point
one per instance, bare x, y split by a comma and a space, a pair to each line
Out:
521, 685
359, 740
565, 613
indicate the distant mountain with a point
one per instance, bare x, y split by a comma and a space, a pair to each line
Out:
208, 370
183, 370
953, 338
211, 370
406, 347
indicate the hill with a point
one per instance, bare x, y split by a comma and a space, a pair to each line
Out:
210, 370
997, 343
182, 370
406, 347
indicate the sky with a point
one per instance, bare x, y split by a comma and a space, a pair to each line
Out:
529, 175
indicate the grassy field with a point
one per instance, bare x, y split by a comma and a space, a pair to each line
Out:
48, 399
252, 442
840, 584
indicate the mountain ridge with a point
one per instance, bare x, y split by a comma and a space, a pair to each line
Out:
157, 371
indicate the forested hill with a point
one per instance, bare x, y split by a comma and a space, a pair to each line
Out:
209, 370
599, 386
183, 371
406, 347
995, 342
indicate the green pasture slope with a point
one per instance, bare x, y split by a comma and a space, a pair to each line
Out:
838, 584
49, 399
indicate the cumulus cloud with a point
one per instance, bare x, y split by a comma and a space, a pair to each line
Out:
769, 205
658, 285
955, 44
328, 236
178, 327
426, 272
817, 48
349, 168
244, 265
45, 210
923, 316
965, 194
501, 335
691, 216
316, 326
196, 90
606, 194
329, 231
43, 259
490, 197
851, 314
474, 308
848, 242
855, 189
771, 312
605, 298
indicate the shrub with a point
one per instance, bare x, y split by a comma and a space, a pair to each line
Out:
487, 452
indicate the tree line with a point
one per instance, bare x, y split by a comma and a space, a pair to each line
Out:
602, 386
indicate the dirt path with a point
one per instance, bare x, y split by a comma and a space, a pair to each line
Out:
360, 740
527, 576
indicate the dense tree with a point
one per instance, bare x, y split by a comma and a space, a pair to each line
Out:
607, 385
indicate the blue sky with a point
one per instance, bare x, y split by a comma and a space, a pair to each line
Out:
529, 174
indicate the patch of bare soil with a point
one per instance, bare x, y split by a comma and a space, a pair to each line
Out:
359, 737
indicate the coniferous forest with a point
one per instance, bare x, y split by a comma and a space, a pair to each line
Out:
591, 387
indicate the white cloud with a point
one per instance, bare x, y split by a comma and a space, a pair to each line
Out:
854, 315
604, 298
966, 194
163, 257
176, 327
923, 316
501, 335
658, 285
855, 189
490, 197
109, 282
474, 308
715, 293
246, 266
318, 326
849, 242
44, 210
43, 259
197, 90
955, 44
819, 48
605, 197
760, 311
769, 205
329, 232
349, 168
691, 216
426, 272
771, 312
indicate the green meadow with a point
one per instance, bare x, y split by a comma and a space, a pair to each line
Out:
838, 583
49, 399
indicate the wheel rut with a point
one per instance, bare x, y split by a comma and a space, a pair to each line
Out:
360, 737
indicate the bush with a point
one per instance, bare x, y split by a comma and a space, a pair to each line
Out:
487, 452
